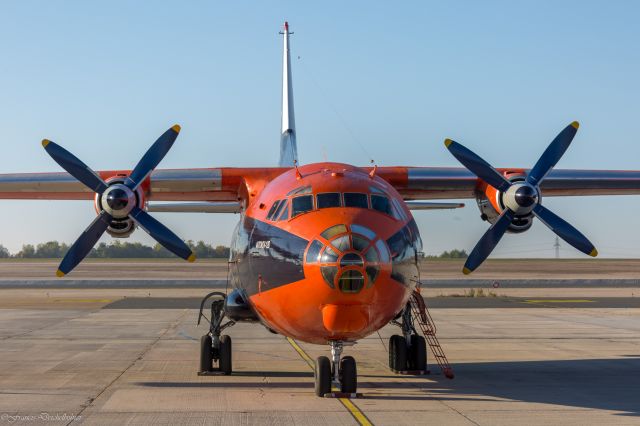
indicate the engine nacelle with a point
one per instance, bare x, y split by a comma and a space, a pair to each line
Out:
120, 227
491, 204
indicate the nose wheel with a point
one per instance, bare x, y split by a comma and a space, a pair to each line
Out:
341, 372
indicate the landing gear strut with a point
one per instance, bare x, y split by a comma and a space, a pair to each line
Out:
407, 353
214, 347
342, 372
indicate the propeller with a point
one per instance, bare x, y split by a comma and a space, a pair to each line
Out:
118, 200
521, 198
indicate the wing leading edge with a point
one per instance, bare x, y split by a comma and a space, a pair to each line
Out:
215, 184
233, 184
432, 183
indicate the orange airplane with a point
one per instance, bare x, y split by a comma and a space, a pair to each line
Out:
326, 253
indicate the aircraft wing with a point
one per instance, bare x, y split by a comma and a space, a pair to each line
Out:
430, 183
215, 184
232, 184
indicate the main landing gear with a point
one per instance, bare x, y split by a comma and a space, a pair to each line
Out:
407, 353
214, 347
341, 372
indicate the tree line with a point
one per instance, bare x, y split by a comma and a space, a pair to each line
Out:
116, 249
120, 249
452, 254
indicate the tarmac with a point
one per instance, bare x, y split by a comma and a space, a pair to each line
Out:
130, 356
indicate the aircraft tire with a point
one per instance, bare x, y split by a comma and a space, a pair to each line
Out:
348, 375
225, 355
417, 353
322, 376
397, 353
206, 354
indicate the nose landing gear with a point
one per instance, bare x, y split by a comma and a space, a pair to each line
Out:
341, 372
214, 346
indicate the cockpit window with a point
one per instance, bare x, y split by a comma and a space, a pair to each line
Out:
278, 211
398, 212
299, 191
363, 230
359, 243
273, 209
285, 211
333, 231
301, 205
349, 259
342, 243
381, 203
328, 199
355, 199
351, 281
314, 251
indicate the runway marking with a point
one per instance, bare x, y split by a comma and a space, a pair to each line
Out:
559, 301
357, 414
301, 351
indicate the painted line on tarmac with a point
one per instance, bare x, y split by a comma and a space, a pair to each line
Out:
301, 352
357, 414
559, 301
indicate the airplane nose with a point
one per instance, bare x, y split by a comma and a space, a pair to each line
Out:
350, 258
344, 318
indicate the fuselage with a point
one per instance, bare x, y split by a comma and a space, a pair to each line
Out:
326, 252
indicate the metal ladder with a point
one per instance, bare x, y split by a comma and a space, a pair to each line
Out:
423, 318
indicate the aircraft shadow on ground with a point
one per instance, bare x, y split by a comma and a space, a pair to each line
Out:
602, 384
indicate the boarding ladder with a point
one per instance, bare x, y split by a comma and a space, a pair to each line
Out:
424, 320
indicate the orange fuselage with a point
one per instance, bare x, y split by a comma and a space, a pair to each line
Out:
325, 252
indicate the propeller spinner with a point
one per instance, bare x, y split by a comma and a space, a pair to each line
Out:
521, 198
118, 200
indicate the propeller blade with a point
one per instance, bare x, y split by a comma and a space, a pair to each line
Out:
477, 165
74, 166
152, 157
83, 245
488, 242
564, 230
552, 154
162, 234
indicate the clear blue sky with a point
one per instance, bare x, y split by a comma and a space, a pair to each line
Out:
104, 79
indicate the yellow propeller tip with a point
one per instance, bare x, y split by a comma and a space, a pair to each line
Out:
447, 142
176, 128
45, 142
466, 270
575, 124
59, 273
191, 258
593, 253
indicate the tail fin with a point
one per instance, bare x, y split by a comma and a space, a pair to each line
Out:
288, 147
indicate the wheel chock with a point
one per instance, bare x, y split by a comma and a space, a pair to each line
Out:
343, 395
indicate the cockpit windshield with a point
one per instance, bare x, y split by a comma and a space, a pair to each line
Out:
355, 199
328, 199
377, 200
301, 205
